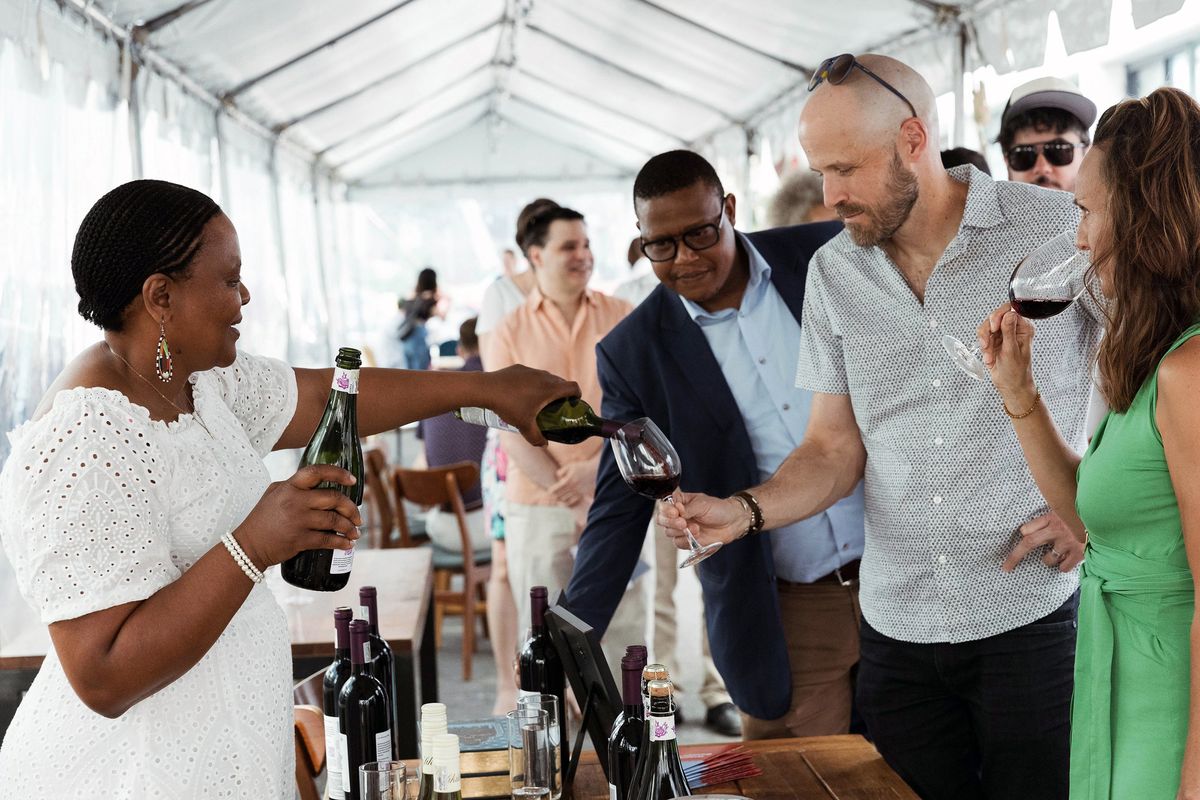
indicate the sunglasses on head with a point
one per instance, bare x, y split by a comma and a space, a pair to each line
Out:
836, 69
1058, 153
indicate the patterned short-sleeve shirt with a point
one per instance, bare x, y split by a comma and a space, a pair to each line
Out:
947, 486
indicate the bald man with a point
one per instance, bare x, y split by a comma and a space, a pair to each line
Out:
968, 586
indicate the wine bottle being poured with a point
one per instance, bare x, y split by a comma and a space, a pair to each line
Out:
566, 421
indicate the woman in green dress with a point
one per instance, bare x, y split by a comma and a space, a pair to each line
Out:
1135, 717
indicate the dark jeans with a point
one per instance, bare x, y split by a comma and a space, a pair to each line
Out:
988, 719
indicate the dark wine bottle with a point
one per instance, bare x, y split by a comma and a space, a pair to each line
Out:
362, 714
566, 421
383, 663
335, 441
433, 724
659, 774
625, 741
447, 777
335, 677
541, 672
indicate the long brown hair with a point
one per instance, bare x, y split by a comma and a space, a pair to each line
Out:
1152, 172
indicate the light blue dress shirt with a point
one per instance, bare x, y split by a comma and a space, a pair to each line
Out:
756, 347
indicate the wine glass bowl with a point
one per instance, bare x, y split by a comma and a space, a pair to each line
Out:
650, 466
1045, 282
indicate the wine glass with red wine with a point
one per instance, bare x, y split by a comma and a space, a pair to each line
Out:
650, 465
1045, 283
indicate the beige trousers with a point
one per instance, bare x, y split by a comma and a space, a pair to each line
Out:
539, 541
820, 626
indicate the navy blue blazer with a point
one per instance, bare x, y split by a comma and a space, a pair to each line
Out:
656, 363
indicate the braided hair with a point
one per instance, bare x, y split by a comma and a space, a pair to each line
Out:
138, 229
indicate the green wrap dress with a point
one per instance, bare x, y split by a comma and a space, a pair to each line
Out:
1130, 710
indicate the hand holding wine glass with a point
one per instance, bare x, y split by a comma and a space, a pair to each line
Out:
650, 465
1006, 349
714, 519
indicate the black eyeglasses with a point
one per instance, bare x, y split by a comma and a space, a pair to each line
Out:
701, 237
836, 69
1059, 153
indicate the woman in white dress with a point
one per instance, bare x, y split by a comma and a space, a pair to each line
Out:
169, 675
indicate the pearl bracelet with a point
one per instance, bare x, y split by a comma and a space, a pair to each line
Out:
243, 560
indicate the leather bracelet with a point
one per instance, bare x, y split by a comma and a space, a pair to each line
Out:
756, 514
239, 555
1037, 398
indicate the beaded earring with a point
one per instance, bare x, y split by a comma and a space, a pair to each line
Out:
162, 356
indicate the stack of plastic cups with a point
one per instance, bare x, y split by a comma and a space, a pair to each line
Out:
433, 724
447, 776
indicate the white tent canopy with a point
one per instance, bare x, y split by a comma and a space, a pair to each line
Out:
432, 91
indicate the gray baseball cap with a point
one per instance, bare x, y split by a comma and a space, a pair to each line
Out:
1050, 93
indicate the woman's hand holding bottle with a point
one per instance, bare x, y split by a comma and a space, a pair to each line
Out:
294, 515
517, 394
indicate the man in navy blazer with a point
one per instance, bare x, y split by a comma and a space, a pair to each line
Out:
710, 356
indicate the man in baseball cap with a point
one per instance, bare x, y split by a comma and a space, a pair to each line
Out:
1044, 132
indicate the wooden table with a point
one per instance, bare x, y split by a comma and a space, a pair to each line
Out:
816, 768
404, 578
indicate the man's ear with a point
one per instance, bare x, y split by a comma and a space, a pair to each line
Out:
731, 208
914, 138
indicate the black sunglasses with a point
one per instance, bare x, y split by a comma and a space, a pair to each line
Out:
701, 237
1059, 153
835, 70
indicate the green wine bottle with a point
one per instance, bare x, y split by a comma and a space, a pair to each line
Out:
566, 421
659, 773
447, 775
335, 441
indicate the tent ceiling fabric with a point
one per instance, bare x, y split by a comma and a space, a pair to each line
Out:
371, 84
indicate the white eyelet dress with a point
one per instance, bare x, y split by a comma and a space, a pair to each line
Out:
106, 506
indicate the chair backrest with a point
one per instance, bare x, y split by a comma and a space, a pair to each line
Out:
310, 691
438, 486
383, 515
309, 737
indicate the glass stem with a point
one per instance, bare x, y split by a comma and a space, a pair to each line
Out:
692, 543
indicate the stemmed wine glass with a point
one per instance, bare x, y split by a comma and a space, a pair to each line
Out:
1045, 283
650, 465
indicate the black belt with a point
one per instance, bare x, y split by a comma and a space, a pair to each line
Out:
845, 575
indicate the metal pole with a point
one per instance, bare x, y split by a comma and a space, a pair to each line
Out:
960, 90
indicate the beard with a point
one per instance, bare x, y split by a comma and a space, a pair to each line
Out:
882, 223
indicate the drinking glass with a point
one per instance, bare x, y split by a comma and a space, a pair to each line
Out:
529, 752
650, 465
1043, 284
555, 725
383, 780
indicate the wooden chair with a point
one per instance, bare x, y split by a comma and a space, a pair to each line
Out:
435, 487
309, 735
377, 499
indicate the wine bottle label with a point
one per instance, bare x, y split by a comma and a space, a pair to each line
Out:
343, 562
427, 764
523, 693
612, 792
484, 416
333, 758
383, 745
345, 380
366, 652
662, 728
344, 756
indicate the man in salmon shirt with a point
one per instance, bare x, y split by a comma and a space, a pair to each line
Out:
549, 489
